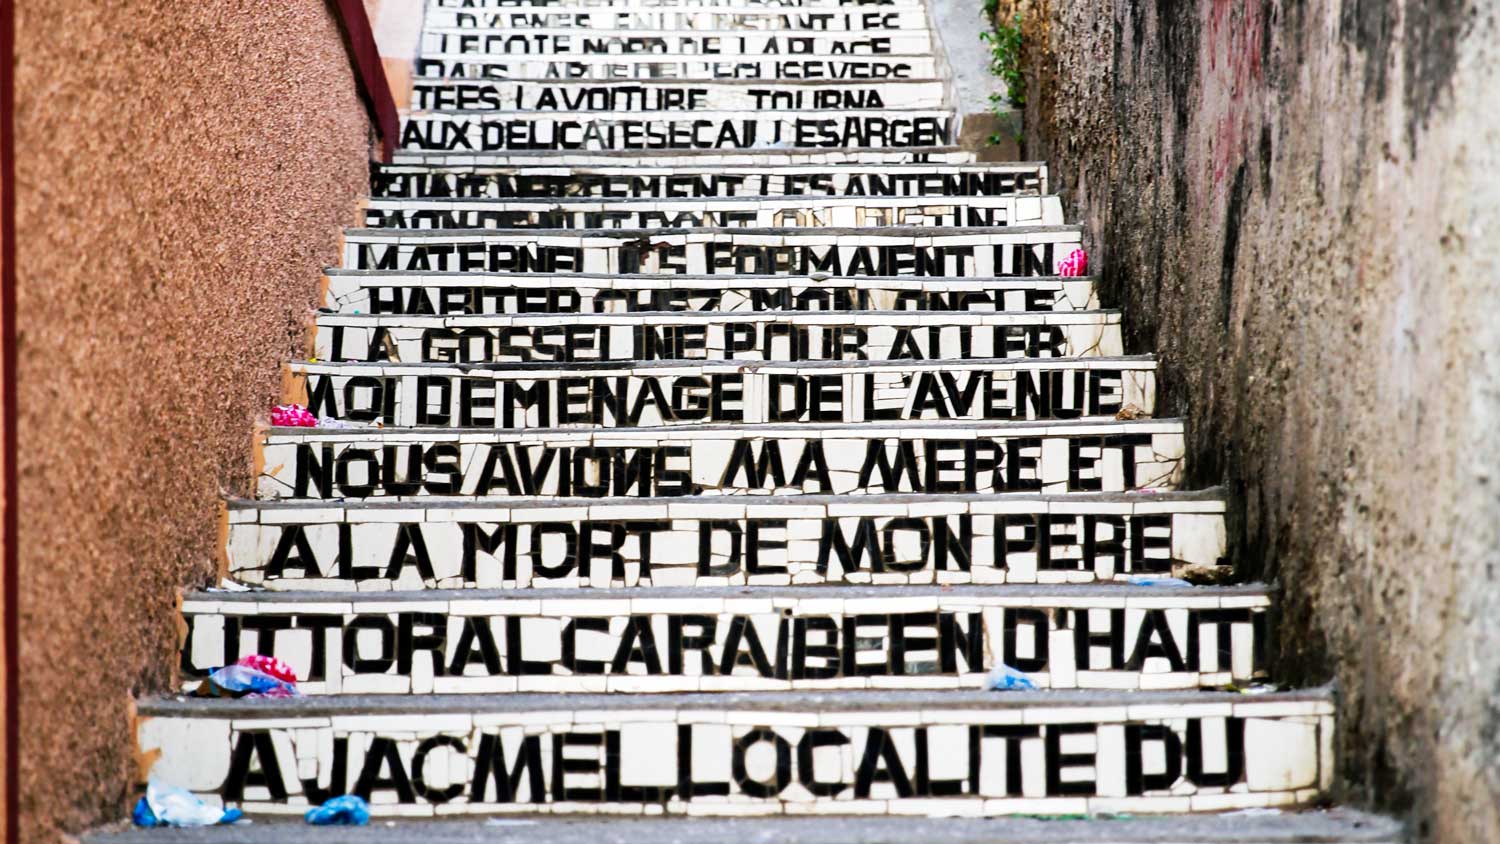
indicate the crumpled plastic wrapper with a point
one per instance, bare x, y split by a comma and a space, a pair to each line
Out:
1076, 264
292, 416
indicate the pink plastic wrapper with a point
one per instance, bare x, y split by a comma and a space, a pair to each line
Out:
292, 416
1076, 264
269, 665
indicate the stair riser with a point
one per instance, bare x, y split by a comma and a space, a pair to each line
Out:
651, 97
724, 43
940, 761
523, 339
699, 393
799, 212
694, 644
694, 463
682, 19
454, 295
696, 67
719, 543
966, 253
707, 130
649, 182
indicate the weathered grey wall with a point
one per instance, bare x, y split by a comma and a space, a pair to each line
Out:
183, 173
1298, 206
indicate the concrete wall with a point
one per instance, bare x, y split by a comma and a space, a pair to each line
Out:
184, 170
1298, 206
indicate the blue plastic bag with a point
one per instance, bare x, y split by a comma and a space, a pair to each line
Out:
142, 815
345, 810
168, 805
1158, 581
240, 681
1003, 678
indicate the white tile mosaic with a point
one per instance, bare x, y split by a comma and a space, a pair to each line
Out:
680, 642
730, 212
354, 294
771, 761
1075, 537
765, 336
699, 461
666, 393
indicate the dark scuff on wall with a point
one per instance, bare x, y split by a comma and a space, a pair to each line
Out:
1298, 208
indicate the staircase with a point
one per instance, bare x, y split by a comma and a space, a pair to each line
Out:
708, 427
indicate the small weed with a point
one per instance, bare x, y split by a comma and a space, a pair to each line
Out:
1005, 57
1005, 62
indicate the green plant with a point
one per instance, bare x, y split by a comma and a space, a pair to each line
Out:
1005, 58
1005, 62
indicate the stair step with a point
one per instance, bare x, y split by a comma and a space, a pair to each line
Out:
779, 157
766, 336
722, 460
676, 95
727, 18
636, 394
1325, 826
891, 251
499, 131
727, 212
378, 292
895, 752
564, 42
648, 180
680, 66
763, 541
735, 639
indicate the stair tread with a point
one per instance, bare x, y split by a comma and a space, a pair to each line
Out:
896, 232
1019, 164
647, 169
657, 279
850, 155
697, 114
742, 199
693, 82
1090, 316
1210, 495
816, 6
923, 426
1125, 361
1330, 826
1125, 591
850, 700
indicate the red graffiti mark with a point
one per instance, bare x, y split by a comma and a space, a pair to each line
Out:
1234, 72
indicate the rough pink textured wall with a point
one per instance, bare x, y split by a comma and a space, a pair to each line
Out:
184, 172
1297, 207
